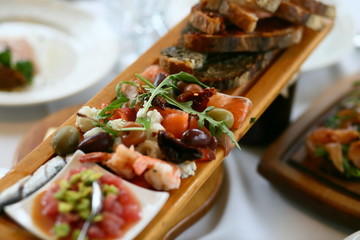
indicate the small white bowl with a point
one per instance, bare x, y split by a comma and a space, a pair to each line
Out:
151, 201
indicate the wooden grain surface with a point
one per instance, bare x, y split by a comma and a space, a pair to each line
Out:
262, 93
335, 198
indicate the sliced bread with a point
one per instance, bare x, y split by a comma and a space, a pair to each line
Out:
266, 5
270, 33
220, 70
213, 22
244, 17
317, 7
294, 13
206, 21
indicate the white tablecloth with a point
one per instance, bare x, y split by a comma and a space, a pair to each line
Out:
248, 207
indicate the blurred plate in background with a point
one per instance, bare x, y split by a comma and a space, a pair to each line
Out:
336, 45
73, 49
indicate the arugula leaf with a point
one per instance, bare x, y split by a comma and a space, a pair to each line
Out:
108, 111
144, 121
118, 88
188, 78
25, 68
5, 57
320, 152
106, 128
215, 127
350, 170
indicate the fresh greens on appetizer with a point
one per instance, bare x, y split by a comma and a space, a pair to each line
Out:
336, 142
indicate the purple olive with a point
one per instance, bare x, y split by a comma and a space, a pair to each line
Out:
213, 143
100, 142
159, 78
196, 138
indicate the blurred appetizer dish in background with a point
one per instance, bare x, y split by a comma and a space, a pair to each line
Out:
17, 64
334, 145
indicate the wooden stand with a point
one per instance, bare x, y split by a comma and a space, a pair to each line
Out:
286, 165
261, 93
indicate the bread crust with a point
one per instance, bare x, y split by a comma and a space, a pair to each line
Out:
206, 21
298, 15
242, 17
269, 34
220, 70
317, 7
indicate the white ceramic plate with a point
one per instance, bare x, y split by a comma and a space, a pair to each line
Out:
337, 43
354, 236
73, 48
151, 202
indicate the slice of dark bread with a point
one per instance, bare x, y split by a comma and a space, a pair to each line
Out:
243, 17
317, 7
177, 59
213, 22
270, 33
206, 21
220, 70
266, 5
294, 13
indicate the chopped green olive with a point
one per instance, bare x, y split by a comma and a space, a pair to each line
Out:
98, 218
84, 214
75, 235
72, 196
62, 230
84, 204
220, 114
108, 189
65, 207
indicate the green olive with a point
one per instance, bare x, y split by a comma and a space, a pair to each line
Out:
220, 114
65, 140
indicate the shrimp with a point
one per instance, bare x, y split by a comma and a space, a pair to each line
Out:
160, 174
128, 163
336, 155
323, 136
122, 161
354, 153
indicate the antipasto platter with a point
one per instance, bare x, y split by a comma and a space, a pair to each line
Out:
314, 159
258, 96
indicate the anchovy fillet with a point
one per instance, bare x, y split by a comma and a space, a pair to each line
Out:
29, 184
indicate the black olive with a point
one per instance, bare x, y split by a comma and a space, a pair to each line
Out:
196, 138
159, 78
100, 142
176, 151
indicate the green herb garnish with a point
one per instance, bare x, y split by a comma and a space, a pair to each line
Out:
108, 111
215, 127
5, 58
320, 152
350, 170
26, 68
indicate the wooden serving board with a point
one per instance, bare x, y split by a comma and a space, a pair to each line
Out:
286, 165
195, 209
262, 93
